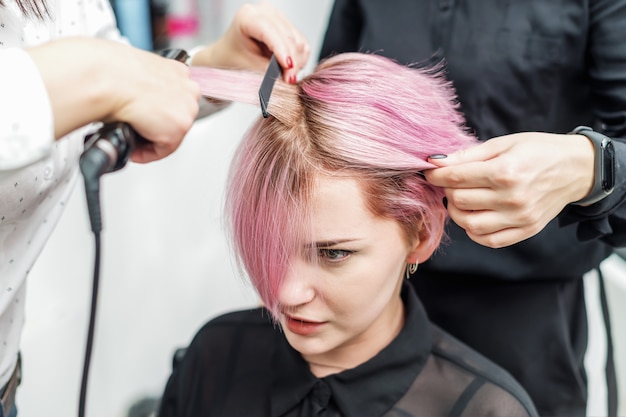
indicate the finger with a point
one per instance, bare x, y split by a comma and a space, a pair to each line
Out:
481, 152
160, 144
144, 154
297, 57
504, 237
299, 48
497, 240
480, 222
473, 199
282, 45
158, 150
282, 39
467, 175
495, 228
271, 38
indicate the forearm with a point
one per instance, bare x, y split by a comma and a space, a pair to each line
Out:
606, 219
90, 80
79, 93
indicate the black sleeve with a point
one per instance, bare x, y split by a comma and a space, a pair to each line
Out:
344, 29
199, 379
225, 370
606, 59
176, 391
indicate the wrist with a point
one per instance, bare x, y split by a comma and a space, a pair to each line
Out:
223, 53
603, 166
203, 57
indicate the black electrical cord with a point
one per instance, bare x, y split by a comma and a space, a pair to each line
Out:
92, 321
93, 163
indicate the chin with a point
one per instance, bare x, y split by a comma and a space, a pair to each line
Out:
308, 345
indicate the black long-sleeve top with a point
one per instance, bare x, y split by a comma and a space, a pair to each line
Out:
517, 65
241, 365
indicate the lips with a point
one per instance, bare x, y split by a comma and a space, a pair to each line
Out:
302, 327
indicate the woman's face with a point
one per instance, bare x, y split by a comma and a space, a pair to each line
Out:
340, 302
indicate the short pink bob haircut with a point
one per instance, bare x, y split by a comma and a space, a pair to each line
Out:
357, 115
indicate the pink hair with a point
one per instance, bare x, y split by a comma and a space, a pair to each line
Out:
357, 115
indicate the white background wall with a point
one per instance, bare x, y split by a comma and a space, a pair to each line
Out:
166, 267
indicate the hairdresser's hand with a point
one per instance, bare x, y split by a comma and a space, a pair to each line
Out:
257, 31
91, 80
159, 99
507, 189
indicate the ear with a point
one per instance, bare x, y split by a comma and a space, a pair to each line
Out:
427, 239
421, 250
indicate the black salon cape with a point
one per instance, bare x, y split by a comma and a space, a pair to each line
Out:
241, 365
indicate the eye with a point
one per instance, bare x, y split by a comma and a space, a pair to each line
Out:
333, 255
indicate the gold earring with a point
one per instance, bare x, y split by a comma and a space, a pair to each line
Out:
410, 269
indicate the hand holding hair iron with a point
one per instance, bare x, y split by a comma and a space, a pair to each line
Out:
108, 150
115, 141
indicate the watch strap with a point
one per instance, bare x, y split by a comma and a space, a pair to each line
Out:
599, 190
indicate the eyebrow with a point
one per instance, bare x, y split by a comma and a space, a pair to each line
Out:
328, 243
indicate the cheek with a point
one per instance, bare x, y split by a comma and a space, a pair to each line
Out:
364, 287
363, 295
356, 312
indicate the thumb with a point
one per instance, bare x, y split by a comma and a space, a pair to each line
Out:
481, 152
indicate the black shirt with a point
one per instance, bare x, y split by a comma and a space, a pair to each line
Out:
517, 65
240, 364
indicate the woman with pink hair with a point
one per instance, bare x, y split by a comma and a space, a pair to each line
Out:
328, 212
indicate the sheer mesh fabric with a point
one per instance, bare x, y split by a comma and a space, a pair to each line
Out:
240, 364
444, 388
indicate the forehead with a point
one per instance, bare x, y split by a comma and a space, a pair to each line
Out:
338, 197
339, 211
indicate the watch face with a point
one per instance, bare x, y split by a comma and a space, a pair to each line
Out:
608, 167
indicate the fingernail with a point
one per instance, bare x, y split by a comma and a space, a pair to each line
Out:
289, 62
438, 156
292, 79
445, 202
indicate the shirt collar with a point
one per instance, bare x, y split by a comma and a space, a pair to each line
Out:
369, 389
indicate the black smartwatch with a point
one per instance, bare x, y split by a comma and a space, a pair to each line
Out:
604, 165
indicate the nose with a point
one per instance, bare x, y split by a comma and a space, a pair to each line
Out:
298, 286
